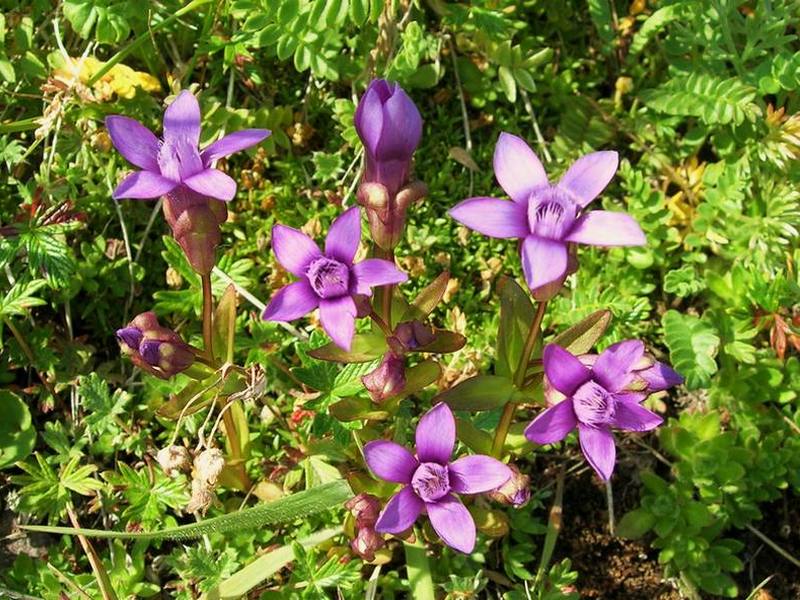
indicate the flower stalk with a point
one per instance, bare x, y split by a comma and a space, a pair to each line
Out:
519, 379
208, 323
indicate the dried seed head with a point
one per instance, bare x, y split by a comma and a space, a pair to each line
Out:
173, 459
208, 465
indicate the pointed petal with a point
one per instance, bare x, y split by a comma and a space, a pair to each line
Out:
613, 368
477, 474
599, 449
553, 424
376, 272
452, 521
369, 117
517, 168
607, 228
143, 185
660, 377
563, 370
291, 302
134, 141
293, 249
493, 217
543, 260
338, 317
402, 119
212, 183
233, 142
436, 435
400, 512
630, 416
390, 461
182, 119
590, 174
344, 236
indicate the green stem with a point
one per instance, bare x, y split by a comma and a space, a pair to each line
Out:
420, 582
385, 293
122, 54
519, 378
553, 529
208, 310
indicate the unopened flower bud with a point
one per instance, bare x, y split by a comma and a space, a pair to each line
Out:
515, 492
387, 380
208, 465
366, 543
173, 459
365, 508
158, 350
195, 222
413, 334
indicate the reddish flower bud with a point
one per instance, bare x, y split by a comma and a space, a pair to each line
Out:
366, 543
388, 379
156, 349
515, 492
365, 508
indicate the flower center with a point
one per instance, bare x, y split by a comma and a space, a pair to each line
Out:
178, 159
328, 277
551, 213
431, 481
593, 405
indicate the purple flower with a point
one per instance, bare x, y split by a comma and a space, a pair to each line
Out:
390, 126
328, 280
176, 160
430, 480
154, 348
548, 217
597, 398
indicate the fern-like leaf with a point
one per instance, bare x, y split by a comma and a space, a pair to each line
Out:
692, 344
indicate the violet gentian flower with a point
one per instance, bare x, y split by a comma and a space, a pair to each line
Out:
390, 127
596, 400
328, 280
176, 160
548, 217
430, 480
154, 348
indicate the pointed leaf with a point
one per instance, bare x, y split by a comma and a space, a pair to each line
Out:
421, 376
427, 299
516, 316
366, 347
483, 392
581, 337
225, 324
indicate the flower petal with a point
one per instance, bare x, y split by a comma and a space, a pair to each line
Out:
134, 141
212, 183
590, 174
400, 512
517, 168
182, 119
291, 302
607, 228
390, 461
436, 435
369, 115
493, 217
452, 521
563, 370
338, 317
660, 377
630, 416
375, 272
293, 249
402, 127
553, 424
344, 236
613, 368
477, 474
233, 142
599, 449
143, 185
543, 260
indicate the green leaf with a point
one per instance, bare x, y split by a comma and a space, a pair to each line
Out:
292, 507
483, 392
420, 582
427, 299
225, 324
477, 440
264, 567
635, 524
692, 344
366, 347
421, 376
581, 337
516, 316
654, 23
20, 298
507, 83
17, 436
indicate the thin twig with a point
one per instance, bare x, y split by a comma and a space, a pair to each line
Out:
148, 227
464, 114
526, 100
773, 545
610, 500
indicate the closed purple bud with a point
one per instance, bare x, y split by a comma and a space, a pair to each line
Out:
660, 377
171, 357
130, 338
515, 492
387, 380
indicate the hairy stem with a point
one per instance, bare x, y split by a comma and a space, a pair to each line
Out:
519, 378
208, 310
